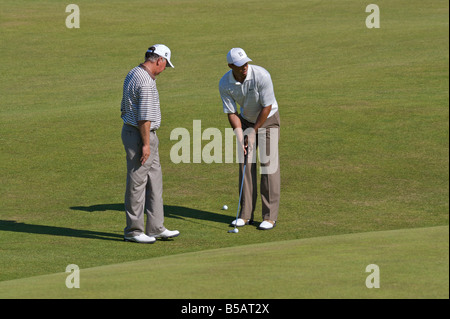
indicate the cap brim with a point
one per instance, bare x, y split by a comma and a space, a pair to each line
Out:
242, 62
170, 64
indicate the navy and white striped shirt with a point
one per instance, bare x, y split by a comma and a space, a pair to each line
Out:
140, 101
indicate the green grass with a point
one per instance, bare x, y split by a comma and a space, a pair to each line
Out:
413, 263
364, 114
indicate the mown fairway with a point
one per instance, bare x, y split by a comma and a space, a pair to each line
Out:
364, 115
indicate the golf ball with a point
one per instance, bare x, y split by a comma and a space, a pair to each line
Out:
236, 230
225, 207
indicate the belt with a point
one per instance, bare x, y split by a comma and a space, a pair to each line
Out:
137, 128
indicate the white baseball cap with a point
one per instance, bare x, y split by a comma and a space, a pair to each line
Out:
162, 51
238, 57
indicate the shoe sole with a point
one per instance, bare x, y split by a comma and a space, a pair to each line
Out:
268, 228
139, 242
250, 222
167, 237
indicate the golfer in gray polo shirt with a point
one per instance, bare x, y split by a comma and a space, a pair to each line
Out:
141, 117
250, 87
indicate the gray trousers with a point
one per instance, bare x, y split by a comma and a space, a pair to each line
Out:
269, 184
144, 185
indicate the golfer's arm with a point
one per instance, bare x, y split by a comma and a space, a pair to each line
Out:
234, 120
144, 129
235, 123
262, 117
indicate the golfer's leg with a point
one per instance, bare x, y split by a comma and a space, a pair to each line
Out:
270, 195
270, 172
249, 190
248, 200
136, 183
154, 207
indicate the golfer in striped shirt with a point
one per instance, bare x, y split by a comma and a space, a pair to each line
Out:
141, 118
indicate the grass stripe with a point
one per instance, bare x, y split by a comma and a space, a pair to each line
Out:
413, 263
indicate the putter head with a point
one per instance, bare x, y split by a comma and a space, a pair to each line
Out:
235, 230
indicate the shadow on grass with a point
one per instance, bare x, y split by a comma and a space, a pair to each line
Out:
11, 225
178, 212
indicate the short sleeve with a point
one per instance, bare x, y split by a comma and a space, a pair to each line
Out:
148, 109
266, 92
229, 105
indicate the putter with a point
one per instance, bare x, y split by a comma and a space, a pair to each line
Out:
235, 230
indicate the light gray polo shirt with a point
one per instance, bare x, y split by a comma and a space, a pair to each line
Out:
252, 95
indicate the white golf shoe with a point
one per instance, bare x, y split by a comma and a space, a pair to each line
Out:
241, 222
141, 238
266, 225
167, 234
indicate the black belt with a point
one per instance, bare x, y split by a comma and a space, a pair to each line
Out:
137, 128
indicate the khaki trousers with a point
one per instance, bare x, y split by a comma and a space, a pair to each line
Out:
144, 187
270, 183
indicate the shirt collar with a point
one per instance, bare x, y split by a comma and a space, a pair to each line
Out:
249, 75
142, 66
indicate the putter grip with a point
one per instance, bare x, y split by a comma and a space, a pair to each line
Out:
246, 155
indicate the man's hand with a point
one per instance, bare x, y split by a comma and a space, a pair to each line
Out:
249, 141
145, 154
